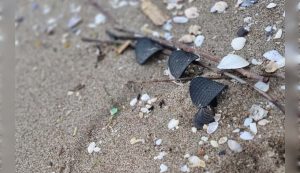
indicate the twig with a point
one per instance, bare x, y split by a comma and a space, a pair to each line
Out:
91, 40
174, 80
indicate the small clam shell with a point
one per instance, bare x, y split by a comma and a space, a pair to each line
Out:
238, 43
232, 61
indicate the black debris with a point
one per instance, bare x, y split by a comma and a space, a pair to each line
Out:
145, 48
77, 88
203, 116
242, 32
203, 91
222, 152
161, 103
178, 62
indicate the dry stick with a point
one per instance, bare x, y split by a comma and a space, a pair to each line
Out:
90, 40
174, 80
242, 81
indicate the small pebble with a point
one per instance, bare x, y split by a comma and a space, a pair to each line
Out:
180, 19
263, 122
191, 12
187, 38
271, 5
158, 142
262, 86
194, 30
160, 156
257, 113
91, 147
248, 121
194, 129
133, 102
145, 97
195, 161
236, 131
256, 62
199, 40
204, 138
184, 168
219, 7
242, 32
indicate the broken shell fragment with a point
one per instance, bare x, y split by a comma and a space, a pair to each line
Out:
232, 61
145, 48
178, 62
271, 67
246, 136
248, 3
203, 116
203, 91
257, 113
180, 19
212, 127
153, 12
199, 40
219, 7
194, 29
271, 5
187, 38
173, 124
262, 86
195, 161
191, 12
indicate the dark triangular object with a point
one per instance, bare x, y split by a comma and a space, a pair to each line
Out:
145, 48
178, 62
203, 116
203, 91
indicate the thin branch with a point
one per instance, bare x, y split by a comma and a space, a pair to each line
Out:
175, 80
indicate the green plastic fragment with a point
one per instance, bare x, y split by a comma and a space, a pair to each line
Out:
113, 111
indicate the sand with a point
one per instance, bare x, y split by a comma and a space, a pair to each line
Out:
46, 116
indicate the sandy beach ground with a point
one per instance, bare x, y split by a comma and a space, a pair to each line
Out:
47, 116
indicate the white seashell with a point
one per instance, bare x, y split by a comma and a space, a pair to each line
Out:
214, 143
262, 86
158, 142
253, 128
180, 19
263, 122
91, 147
219, 7
133, 102
212, 127
222, 140
238, 43
168, 25
187, 38
199, 40
160, 156
195, 161
257, 113
173, 123
278, 34
246, 136
184, 168
234, 146
204, 138
236, 131
256, 62
163, 168
97, 149
194, 30
191, 12
232, 61
145, 97
248, 121
271, 5
99, 19
194, 129
145, 110
273, 55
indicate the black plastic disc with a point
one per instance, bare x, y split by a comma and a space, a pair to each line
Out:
178, 62
145, 48
203, 91
203, 116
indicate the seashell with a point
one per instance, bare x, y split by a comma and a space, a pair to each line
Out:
273, 55
163, 168
212, 127
238, 43
194, 29
278, 34
199, 40
173, 124
214, 144
246, 136
248, 121
187, 38
234, 146
222, 140
248, 3
253, 128
242, 32
191, 12
262, 86
146, 48
178, 62
271, 5
232, 61
180, 19
219, 7
256, 62
257, 113
271, 67
203, 116
203, 91
195, 161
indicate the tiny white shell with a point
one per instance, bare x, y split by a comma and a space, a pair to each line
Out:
278, 34
173, 123
180, 19
253, 128
212, 127
232, 61
195, 161
248, 121
246, 136
187, 38
271, 5
219, 7
191, 12
234, 146
238, 43
262, 86
199, 40
163, 168
273, 55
